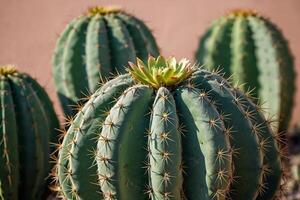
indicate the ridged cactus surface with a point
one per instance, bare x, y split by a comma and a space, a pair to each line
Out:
93, 47
253, 50
169, 130
27, 122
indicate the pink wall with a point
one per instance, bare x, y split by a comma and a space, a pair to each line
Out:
29, 28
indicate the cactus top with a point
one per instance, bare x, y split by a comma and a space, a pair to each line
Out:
7, 70
161, 72
243, 13
101, 10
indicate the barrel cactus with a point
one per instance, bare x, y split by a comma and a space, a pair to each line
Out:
93, 47
169, 130
27, 122
253, 50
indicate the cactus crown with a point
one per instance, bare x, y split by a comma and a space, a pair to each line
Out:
161, 71
7, 70
242, 13
102, 10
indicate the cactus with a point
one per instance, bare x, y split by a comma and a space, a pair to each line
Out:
92, 47
169, 130
27, 122
252, 49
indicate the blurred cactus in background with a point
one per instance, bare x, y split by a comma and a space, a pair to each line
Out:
253, 50
93, 47
28, 121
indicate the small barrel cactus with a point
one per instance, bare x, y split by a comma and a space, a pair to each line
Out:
27, 122
169, 130
252, 49
93, 47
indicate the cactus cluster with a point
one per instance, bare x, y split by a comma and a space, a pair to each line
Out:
253, 50
161, 129
93, 47
27, 122
169, 130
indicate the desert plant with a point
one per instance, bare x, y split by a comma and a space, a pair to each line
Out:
92, 47
169, 130
27, 122
253, 50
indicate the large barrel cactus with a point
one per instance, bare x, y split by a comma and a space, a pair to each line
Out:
253, 50
169, 130
93, 47
27, 122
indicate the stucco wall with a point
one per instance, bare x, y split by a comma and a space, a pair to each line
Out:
28, 29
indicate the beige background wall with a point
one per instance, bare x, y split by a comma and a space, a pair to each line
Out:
29, 28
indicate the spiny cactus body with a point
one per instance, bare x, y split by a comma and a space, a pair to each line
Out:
169, 130
252, 49
92, 47
27, 122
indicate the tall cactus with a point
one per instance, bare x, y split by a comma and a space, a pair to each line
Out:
27, 122
169, 130
253, 50
92, 47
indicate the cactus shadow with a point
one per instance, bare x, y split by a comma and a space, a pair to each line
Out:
195, 175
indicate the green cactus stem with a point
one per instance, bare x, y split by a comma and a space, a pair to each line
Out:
93, 47
253, 50
169, 130
27, 121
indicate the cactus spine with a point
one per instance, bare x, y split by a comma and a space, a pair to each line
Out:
253, 50
169, 130
1, 192
27, 122
93, 47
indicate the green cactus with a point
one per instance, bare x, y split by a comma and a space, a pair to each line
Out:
169, 130
27, 122
93, 47
252, 49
